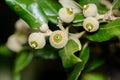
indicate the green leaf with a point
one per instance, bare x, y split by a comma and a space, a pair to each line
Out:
78, 18
94, 76
28, 10
95, 64
116, 4
4, 50
67, 54
83, 2
51, 8
84, 55
106, 32
47, 52
22, 60
53, 19
16, 76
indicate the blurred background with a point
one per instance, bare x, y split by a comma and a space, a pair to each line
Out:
7, 19
38, 69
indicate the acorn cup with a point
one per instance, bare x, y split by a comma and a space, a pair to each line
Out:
13, 43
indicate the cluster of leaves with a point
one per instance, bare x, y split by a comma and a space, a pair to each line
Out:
36, 12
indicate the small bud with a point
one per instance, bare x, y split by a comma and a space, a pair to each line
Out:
90, 10
91, 24
58, 39
66, 15
37, 40
44, 27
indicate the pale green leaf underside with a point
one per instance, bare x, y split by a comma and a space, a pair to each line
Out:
67, 54
84, 55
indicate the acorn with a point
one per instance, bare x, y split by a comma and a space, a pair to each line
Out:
66, 15
70, 4
21, 37
13, 44
90, 10
37, 40
21, 25
58, 39
91, 24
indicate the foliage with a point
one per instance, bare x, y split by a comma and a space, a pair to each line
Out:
37, 12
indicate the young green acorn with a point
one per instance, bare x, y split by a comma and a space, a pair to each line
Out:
37, 40
90, 10
58, 39
66, 15
91, 24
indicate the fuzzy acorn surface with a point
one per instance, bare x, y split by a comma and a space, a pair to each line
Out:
66, 15
37, 40
91, 24
90, 10
58, 39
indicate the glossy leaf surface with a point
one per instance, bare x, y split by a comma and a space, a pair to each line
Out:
29, 10
84, 55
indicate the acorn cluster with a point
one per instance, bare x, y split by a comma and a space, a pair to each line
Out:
91, 23
59, 38
18, 39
